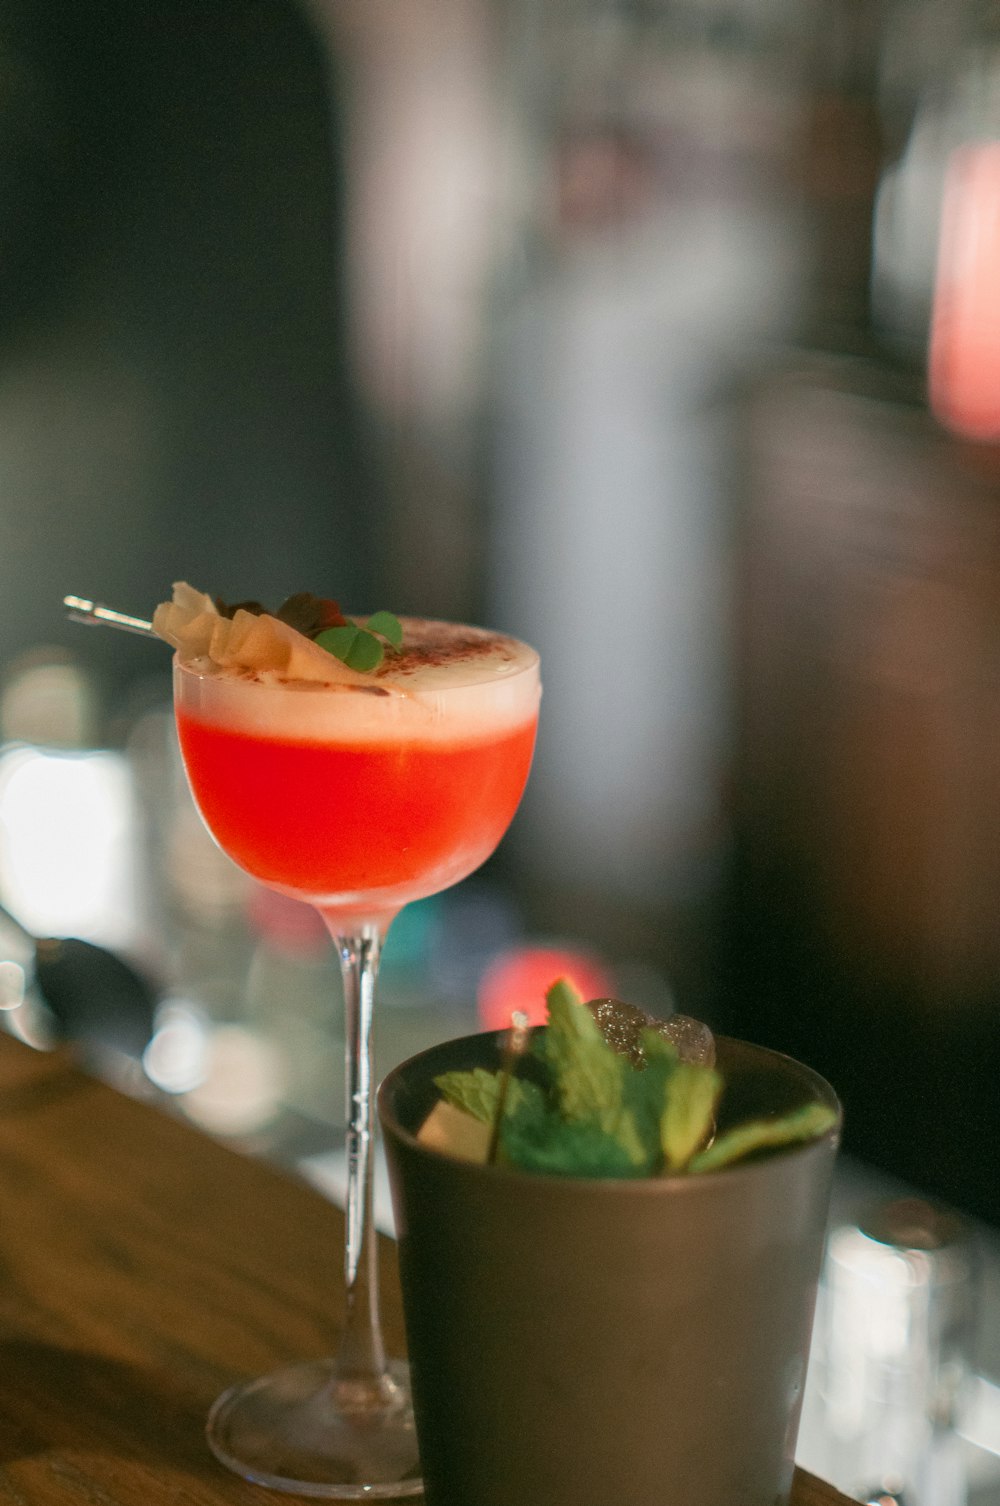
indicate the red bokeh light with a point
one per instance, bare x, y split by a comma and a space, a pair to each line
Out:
965, 335
518, 979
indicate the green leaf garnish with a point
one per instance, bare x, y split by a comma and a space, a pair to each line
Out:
597, 1122
478, 1092
361, 648
588, 1074
537, 1139
688, 1112
352, 646
805, 1123
387, 626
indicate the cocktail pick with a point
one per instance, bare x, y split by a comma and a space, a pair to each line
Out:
515, 1046
79, 609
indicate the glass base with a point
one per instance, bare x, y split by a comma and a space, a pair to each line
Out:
305, 1431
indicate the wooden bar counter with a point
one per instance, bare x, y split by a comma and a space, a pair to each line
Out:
143, 1268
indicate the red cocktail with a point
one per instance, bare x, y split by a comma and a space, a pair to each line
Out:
328, 820
358, 795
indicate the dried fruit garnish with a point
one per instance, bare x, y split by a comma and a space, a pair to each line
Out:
227, 609
309, 614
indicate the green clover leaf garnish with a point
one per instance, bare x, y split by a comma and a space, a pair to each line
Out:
386, 626
352, 646
362, 648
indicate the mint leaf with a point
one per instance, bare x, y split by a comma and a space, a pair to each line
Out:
536, 1138
643, 1093
587, 1074
692, 1092
806, 1123
589, 1078
478, 1092
387, 626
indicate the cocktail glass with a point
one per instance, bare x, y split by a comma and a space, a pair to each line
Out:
358, 799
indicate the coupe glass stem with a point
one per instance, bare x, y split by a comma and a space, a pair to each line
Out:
339, 1428
361, 1376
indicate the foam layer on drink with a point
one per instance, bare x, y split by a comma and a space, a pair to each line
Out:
448, 683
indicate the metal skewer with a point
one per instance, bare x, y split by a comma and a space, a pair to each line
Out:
81, 610
515, 1045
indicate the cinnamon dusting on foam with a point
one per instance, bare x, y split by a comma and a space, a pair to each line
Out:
430, 646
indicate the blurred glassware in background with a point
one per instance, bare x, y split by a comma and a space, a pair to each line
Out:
67, 815
74, 906
24, 1014
466, 928
899, 1328
892, 1384
208, 1054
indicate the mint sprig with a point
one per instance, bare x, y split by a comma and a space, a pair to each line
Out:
362, 647
598, 1115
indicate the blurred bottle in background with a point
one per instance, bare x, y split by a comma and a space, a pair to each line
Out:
655, 248
894, 1413
867, 880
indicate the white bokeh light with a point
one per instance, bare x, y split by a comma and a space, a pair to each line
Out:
67, 859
